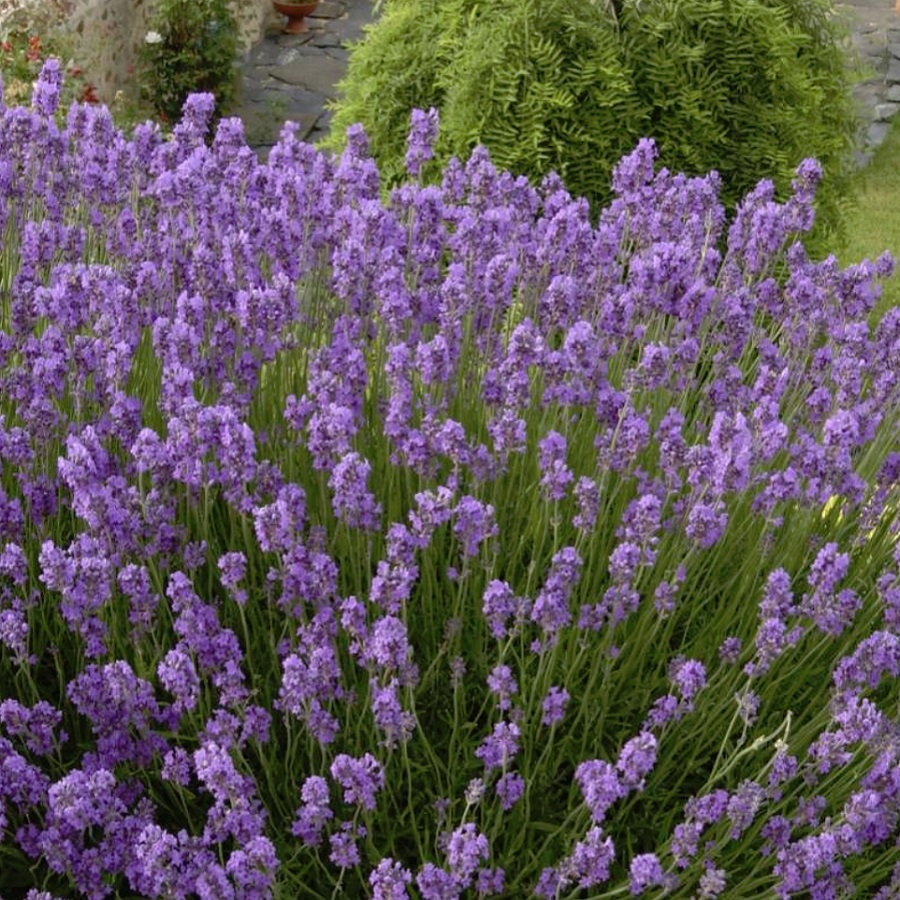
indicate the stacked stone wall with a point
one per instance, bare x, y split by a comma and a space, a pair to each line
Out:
110, 32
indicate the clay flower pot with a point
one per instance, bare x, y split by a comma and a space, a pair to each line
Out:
295, 12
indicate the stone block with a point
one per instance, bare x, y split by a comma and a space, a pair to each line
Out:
329, 9
327, 39
876, 134
893, 72
318, 73
866, 96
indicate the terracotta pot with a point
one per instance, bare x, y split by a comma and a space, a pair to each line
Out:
295, 13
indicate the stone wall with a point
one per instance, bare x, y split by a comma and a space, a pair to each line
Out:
109, 32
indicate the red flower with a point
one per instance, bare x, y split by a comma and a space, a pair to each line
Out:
89, 94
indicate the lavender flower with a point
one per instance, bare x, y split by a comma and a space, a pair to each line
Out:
712, 883
592, 857
600, 786
448, 347
361, 778
587, 497
344, 852
510, 787
688, 676
502, 685
232, 568
387, 645
551, 607
395, 723
179, 677
637, 759
388, 881
743, 806
489, 882
353, 503
45, 96
466, 850
556, 475
252, 868
437, 884
730, 650
499, 747
499, 605
645, 872
474, 524
314, 813
36, 725
554, 705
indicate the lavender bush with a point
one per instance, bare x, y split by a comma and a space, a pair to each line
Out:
448, 547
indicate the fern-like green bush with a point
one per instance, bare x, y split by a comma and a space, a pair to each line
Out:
747, 87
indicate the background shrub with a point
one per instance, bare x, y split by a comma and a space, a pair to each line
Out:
192, 46
746, 87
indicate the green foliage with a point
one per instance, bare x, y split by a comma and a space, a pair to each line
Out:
747, 87
393, 71
191, 47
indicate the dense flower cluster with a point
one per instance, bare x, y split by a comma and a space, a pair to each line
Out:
451, 545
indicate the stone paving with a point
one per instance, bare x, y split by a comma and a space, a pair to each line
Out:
292, 77
288, 77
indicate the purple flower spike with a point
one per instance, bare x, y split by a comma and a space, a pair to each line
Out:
499, 747
556, 475
196, 116
252, 867
688, 676
360, 778
510, 788
502, 685
314, 813
436, 884
489, 882
466, 850
45, 94
474, 524
554, 705
592, 857
499, 605
422, 135
395, 723
600, 786
353, 503
645, 872
344, 852
637, 759
389, 881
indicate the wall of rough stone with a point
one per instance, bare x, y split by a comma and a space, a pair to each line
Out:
111, 31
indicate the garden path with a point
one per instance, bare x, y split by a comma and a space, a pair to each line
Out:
292, 77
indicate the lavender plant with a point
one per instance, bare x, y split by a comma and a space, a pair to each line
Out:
446, 547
